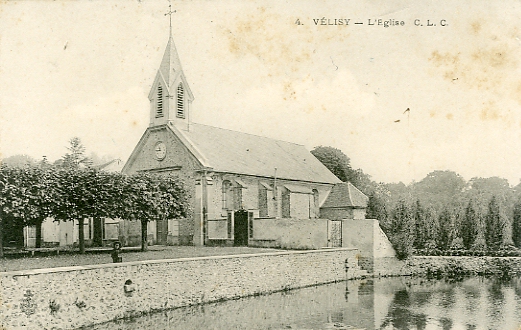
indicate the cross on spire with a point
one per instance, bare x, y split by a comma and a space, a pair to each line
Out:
170, 12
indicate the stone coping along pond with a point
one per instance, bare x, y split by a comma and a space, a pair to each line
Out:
72, 297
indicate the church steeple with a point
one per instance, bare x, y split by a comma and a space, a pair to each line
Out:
170, 96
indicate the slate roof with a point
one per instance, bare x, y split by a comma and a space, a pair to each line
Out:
241, 153
345, 194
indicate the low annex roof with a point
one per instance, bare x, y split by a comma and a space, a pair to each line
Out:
115, 165
242, 153
345, 194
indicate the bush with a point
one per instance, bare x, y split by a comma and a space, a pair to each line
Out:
506, 252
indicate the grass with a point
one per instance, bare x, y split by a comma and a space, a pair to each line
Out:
155, 253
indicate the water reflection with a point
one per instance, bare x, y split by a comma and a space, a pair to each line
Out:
391, 303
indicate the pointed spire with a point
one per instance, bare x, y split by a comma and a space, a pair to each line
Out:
170, 96
170, 64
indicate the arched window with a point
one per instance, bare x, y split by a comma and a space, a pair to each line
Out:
180, 101
226, 194
159, 107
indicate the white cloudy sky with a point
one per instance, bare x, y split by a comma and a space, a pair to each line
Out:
84, 68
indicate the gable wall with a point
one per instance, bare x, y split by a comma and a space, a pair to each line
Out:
177, 155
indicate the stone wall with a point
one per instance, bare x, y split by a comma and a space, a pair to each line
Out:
298, 207
377, 255
336, 213
341, 213
290, 233
72, 297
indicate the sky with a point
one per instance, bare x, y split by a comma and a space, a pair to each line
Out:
280, 69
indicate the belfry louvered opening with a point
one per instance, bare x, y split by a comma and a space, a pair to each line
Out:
159, 108
180, 101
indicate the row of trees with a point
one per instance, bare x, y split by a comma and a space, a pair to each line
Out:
414, 228
442, 211
71, 189
30, 195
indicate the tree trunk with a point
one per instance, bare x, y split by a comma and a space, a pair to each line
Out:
1, 238
81, 234
144, 234
98, 232
38, 243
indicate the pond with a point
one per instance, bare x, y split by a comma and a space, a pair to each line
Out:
387, 303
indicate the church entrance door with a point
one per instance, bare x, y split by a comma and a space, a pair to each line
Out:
240, 228
162, 231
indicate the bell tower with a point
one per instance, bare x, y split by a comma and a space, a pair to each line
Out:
170, 96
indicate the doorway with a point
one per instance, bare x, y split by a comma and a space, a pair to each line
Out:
162, 231
240, 228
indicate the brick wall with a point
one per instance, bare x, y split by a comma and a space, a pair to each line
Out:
72, 297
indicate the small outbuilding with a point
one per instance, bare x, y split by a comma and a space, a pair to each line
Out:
345, 201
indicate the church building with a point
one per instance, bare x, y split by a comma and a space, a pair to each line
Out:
245, 189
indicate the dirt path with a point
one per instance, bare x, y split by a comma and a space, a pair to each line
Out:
155, 253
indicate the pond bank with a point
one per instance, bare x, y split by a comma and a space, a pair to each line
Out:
456, 265
379, 303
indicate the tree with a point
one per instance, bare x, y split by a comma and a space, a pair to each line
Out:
26, 200
401, 230
335, 160
397, 192
483, 189
438, 188
420, 221
141, 202
150, 198
497, 226
10, 196
431, 228
75, 158
340, 165
493, 186
458, 218
516, 225
84, 193
173, 198
40, 196
445, 229
376, 208
363, 182
469, 226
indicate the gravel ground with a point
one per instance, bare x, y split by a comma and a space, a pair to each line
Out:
154, 253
